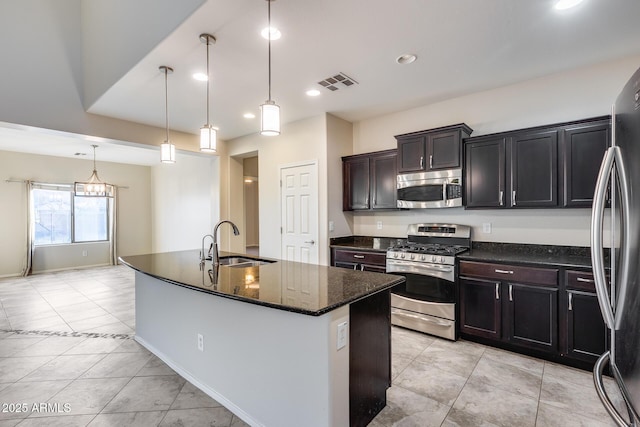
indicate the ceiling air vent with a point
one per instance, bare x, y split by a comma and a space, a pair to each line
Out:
339, 81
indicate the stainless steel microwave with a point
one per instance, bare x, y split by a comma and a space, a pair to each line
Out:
437, 189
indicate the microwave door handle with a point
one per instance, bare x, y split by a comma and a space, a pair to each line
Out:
597, 218
444, 191
625, 242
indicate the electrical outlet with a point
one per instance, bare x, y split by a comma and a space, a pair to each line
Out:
486, 228
331, 226
200, 342
342, 335
379, 225
84, 253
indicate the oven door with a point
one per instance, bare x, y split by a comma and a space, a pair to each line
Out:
426, 300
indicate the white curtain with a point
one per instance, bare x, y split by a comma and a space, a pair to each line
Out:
113, 228
29, 230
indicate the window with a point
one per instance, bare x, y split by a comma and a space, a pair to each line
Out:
62, 218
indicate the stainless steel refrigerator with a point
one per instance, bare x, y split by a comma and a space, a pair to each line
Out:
620, 301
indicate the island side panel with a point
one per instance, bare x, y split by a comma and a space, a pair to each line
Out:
370, 357
271, 367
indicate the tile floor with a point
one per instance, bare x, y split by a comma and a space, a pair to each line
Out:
67, 358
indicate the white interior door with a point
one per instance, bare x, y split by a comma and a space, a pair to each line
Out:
299, 210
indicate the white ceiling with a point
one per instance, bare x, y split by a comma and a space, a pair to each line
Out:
463, 46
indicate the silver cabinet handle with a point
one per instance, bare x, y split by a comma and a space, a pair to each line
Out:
361, 267
582, 279
497, 290
510, 292
497, 270
513, 197
311, 242
501, 197
421, 162
358, 256
431, 161
570, 301
597, 220
355, 266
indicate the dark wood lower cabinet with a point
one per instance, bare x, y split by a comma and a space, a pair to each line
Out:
532, 316
552, 313
369, 357
480, 308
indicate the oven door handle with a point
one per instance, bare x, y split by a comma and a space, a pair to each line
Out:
433, 267
423, 318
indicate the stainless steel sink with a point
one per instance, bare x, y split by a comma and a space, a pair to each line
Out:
242, 262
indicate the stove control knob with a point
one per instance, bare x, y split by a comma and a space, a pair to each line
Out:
433, 258
423, 257
402, 256
412, 256
442, 259
395, 254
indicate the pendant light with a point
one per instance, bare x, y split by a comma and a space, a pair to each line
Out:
93, 187
269, 111
167, 149
208, 134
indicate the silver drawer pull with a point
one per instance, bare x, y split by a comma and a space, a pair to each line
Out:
497, 290
582, 279
510, 292
359, 256
570, 301
497, 270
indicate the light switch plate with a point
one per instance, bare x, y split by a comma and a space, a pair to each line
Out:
342, 335
379, 225
486, 228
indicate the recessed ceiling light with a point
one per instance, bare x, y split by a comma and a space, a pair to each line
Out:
407, 58
271, 32
202, 77
249, 116
566, 4
313, 92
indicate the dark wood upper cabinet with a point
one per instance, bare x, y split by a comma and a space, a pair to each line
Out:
369, 181
544, 167
534, 169
484, 173
433, 149
583, 147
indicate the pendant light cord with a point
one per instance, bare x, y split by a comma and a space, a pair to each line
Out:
208, 80
269, 38
166, 102
94, 157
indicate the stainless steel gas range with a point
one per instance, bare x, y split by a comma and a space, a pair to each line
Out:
426, 302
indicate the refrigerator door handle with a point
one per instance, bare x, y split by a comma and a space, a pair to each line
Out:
625, 247
598, 368
597, 218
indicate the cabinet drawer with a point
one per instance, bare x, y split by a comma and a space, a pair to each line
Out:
580, 280
372, 258
510, 273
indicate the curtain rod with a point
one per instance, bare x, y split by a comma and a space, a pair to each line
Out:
24, 181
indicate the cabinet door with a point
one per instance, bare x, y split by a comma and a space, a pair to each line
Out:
480, 308
534, 169
586, 331
383, 182
583, 149
355, 179
443, 151
411, 154
531, 318
484, 174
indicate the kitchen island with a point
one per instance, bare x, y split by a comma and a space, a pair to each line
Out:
279, 344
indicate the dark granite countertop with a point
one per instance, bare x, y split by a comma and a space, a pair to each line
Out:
562, 256
366, 243
292, 286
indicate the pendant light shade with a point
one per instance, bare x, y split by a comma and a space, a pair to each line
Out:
208, 134
167, 149
270, 118
93, 187
269, 111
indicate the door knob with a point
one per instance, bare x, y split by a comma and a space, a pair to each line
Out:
311, 242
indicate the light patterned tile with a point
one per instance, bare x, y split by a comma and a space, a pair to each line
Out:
129, 419
197, 417
507, 377
406, 408
550, 416
65, 367
432, 382
192, 397
147, 394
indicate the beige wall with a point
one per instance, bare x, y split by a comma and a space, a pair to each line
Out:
304, 140
134, 209
567, 96
339, 144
